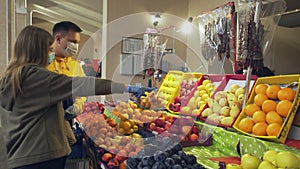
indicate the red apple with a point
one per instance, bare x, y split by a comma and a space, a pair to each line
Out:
152, 126
106, 157
195, 130
113, 163
168, 125
120, 159
176, 107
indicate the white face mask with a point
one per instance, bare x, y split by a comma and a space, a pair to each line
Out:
72, 49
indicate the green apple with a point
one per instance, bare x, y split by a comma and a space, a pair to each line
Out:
270, 156
287, 160
250, 162
266, 165
233, 166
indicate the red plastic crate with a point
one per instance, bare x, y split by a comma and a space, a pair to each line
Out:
222, 87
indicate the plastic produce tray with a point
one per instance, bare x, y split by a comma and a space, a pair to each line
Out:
186, 76
277, 80
224, 85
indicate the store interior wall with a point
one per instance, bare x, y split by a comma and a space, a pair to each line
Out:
148, 8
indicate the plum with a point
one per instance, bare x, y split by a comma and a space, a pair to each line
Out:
159, 165
190, 159
169, 162
132, 162
176, 166
159, 156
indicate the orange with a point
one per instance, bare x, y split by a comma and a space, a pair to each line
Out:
251, 108
283, 107
273, 129
246, 125
268, 105
259, 116
260, 98
286, 94
273, 117
272, 91
260, 129
261, 88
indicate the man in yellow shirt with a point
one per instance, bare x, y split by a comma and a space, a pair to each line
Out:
66, 38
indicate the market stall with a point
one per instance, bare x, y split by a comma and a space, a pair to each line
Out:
202, 120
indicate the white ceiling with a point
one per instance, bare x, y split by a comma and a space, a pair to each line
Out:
87, 14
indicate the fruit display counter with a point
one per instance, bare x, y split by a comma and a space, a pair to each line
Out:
125, 135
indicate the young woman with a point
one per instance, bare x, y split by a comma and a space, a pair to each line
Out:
30, 103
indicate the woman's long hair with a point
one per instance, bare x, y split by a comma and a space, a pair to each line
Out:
32, 47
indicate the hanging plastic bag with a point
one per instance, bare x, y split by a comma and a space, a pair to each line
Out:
216, 28
256, 23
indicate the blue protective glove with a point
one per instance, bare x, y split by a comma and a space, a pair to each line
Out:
71, 113
139, 91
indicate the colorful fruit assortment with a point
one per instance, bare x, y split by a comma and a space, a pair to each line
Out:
163, 153
225, 106
94, 107
130, 111
112, 147
186, 87
181, 127
270, 107
152, 101
199, 99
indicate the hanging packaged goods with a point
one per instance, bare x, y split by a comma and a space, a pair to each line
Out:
218, 28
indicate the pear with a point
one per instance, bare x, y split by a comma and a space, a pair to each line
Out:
216, 107
223, 102
287, 160
240, 98
210, 102
270, 156
234, 87
219, 95
227, 121
231, 98
250, 162
234, 110
208, 111
266, 165
214, 117
225, 111
239, 91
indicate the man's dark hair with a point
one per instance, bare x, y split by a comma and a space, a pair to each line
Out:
64, 27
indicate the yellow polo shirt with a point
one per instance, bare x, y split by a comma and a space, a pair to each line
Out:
70, 67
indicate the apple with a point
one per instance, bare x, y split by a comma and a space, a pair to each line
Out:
113, 163
152, 126
270, 156
266, 165
233, 166
106, 157
250, 162
195, 129
287, 160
